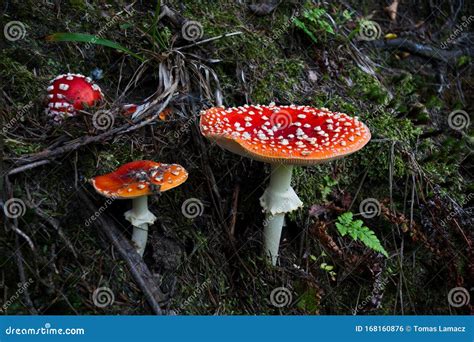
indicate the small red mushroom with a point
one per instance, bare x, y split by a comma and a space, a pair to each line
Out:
283, 136
138, 180
132, 110
129, 109
69, 93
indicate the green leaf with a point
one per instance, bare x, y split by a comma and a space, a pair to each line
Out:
91, 39
308, 301
357, 231
346, 218
125, 26
347, 14
353, 234
342, 228
302, 26
326, 26
357, 224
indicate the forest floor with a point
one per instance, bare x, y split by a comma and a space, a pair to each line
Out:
414, 177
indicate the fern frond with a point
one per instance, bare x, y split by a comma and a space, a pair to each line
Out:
358, 232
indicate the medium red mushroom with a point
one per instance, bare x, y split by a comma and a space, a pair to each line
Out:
69, 93
138, 180
283, 136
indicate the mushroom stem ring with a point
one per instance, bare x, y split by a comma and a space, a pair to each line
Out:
140, 217
136, 181
283, 136
278, 199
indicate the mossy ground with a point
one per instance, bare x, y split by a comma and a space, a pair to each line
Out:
271, 61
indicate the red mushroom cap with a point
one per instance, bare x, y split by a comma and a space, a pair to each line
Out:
129, 109
68, 93
140, 178
295, 135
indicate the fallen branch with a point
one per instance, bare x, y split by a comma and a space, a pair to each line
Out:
422, 50
27, 167
23, 282
209, 40
55, 224
138, 268
41, 158
13, 224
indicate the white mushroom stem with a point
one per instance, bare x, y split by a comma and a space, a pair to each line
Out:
140, 217
278, 199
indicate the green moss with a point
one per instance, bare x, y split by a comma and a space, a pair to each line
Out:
376, 156
367, 87
405, 85
77, 4
309, 302
335, 102
110, 158
434, 102
269, 73
20, 83
313, 184
21, 147
279, 80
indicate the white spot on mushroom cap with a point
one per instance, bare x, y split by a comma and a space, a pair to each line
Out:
292, 135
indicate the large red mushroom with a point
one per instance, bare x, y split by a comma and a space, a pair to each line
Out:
283, 136
69, 93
